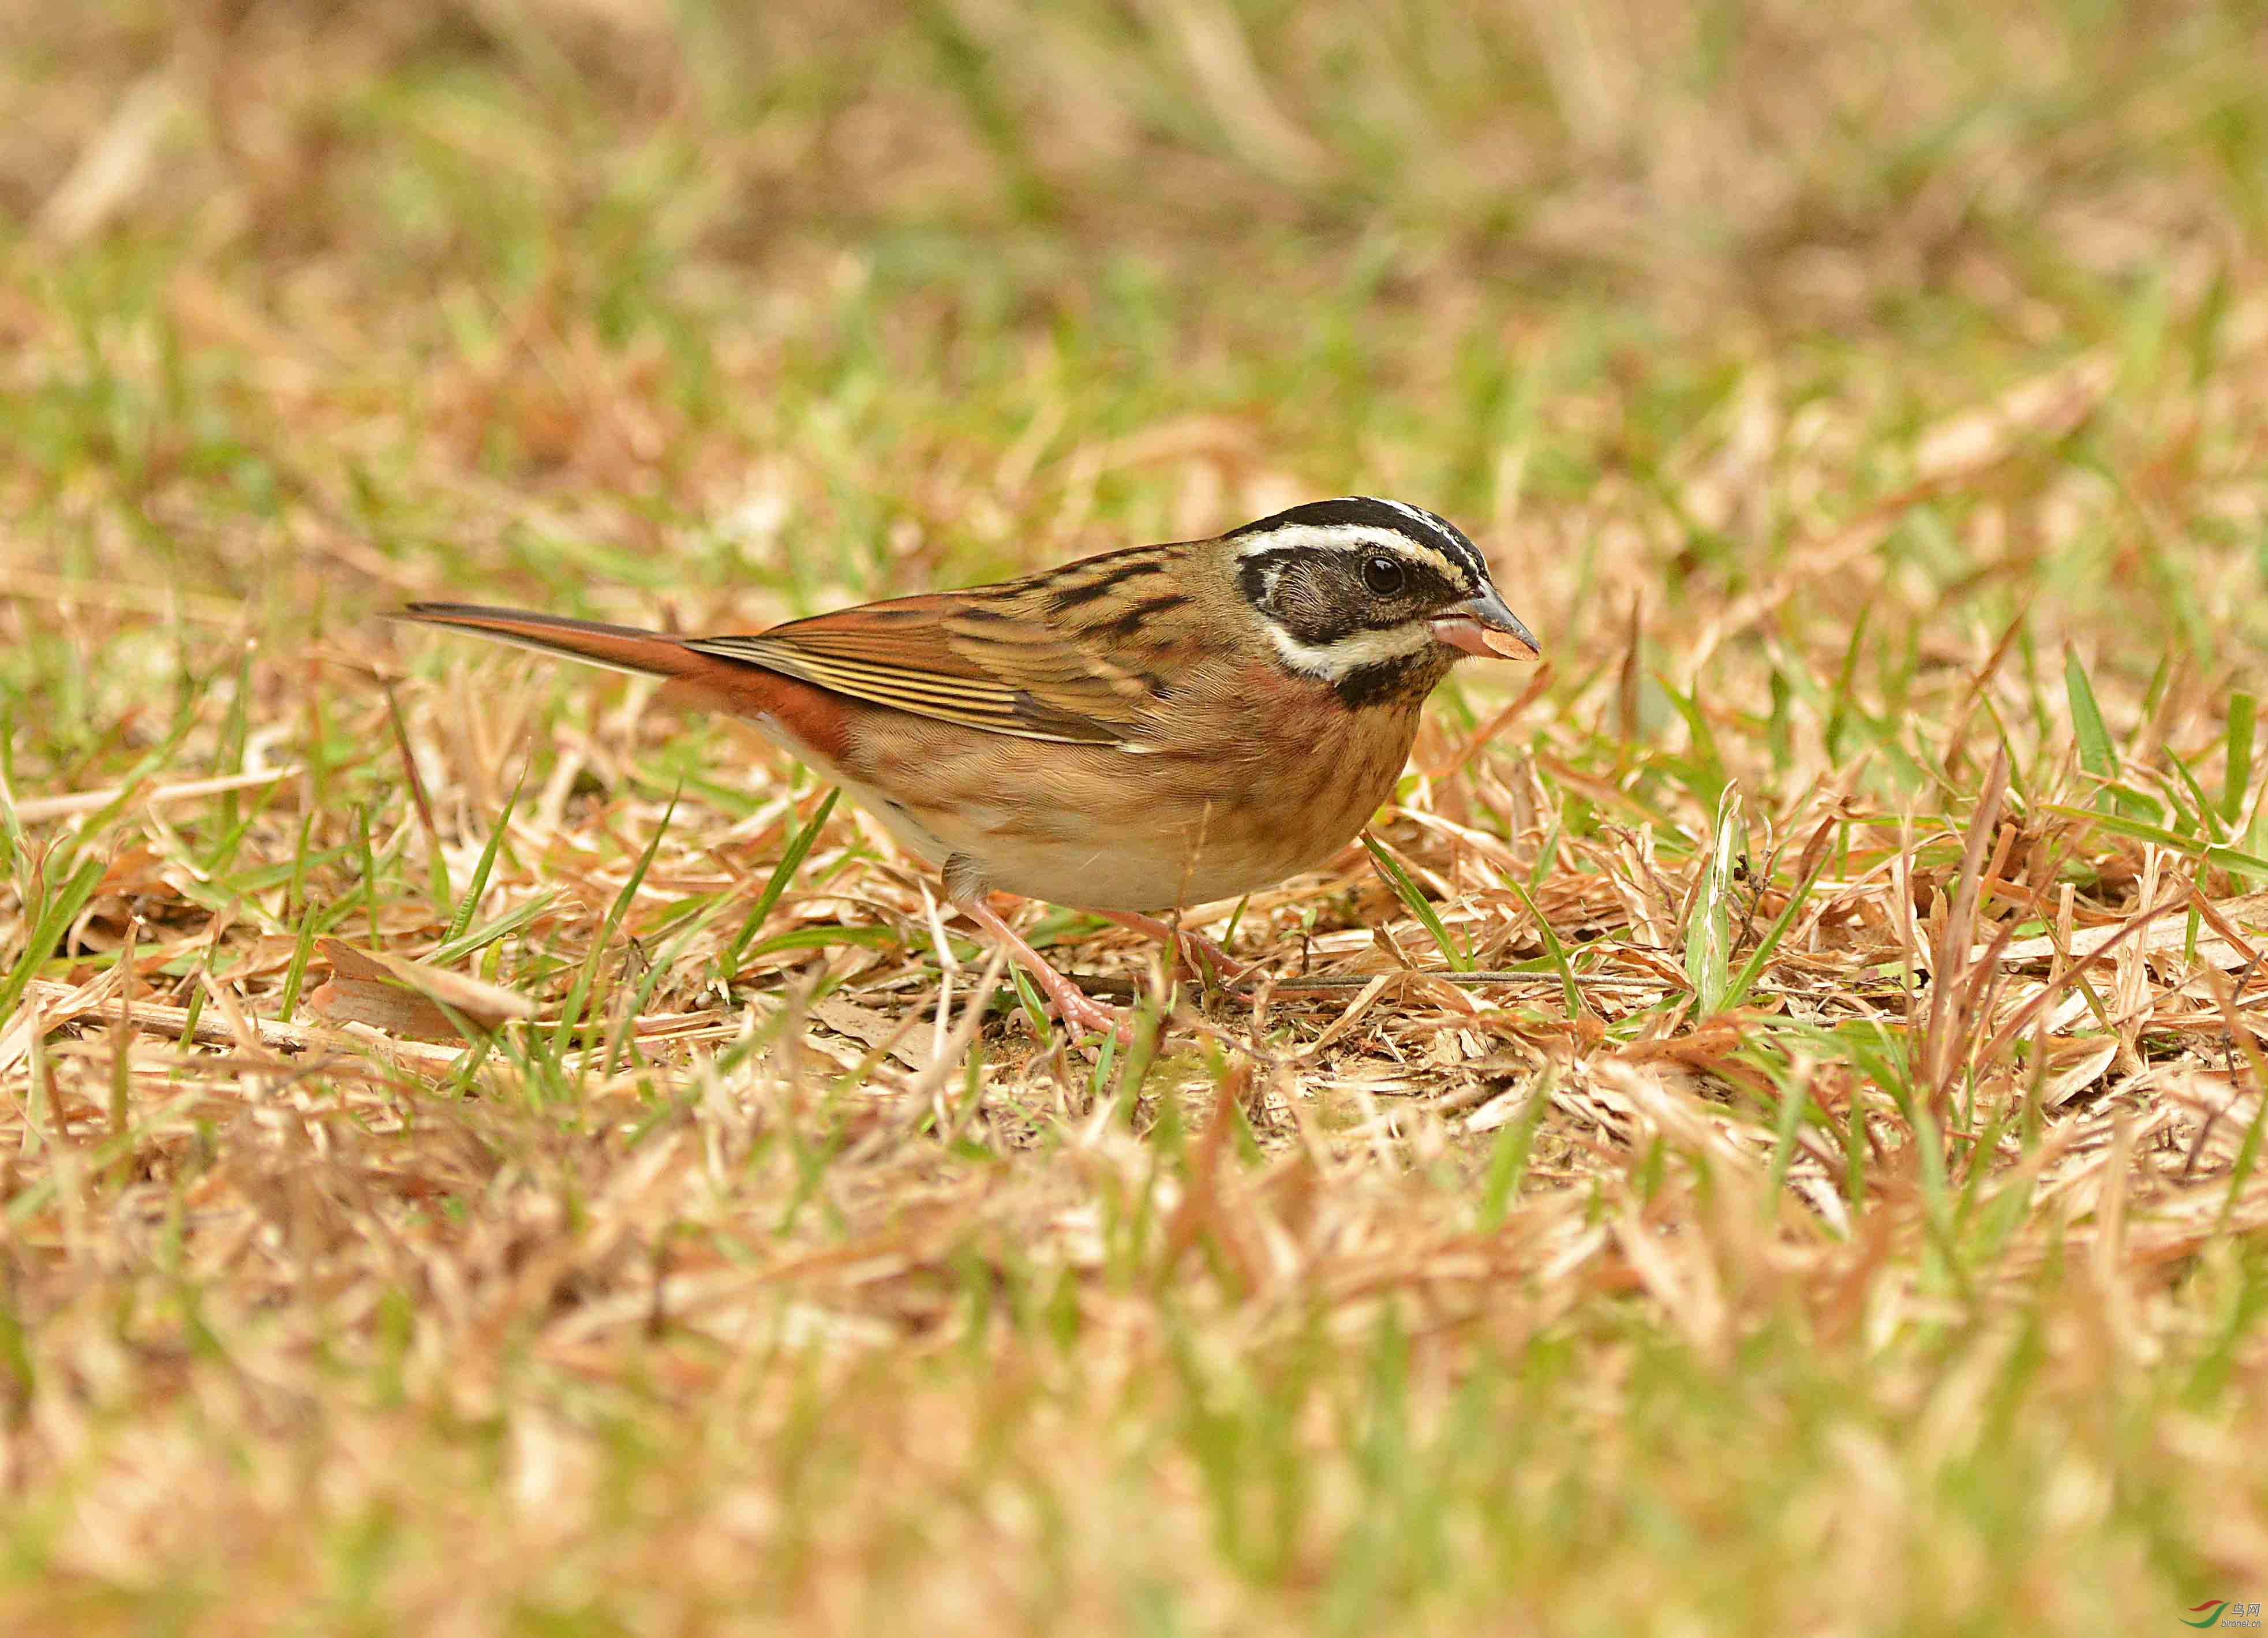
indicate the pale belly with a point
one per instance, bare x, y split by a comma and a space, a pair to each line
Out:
1128, 873
1106, 829
1110, 867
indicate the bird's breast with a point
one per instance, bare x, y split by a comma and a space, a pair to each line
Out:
1268, 781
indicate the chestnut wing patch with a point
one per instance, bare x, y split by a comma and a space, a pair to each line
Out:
960, 660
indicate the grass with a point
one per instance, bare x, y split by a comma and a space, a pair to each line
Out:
1768, 1138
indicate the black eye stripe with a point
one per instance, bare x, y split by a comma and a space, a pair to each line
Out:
1422, 584
1321, 594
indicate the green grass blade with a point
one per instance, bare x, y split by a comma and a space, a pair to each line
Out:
2236, 780
2247, 1151
792, 858
1418, 905
1709, 927
49, 926
488, 932
479, 884
1736, 990
664, 960
12, 833
2096, 753
297, 973
1794, 1095
2190, 847
1508, 1156
579, 995
1552, 949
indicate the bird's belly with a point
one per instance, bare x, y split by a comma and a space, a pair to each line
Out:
1125, 873
1103, 830
1100, 828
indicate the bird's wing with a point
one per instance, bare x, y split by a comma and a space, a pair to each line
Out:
984, 660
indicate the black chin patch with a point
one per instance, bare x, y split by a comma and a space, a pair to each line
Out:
1405, 679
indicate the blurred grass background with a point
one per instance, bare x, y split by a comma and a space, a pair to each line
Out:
1788, 357
350, 269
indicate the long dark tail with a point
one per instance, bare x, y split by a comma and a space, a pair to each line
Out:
618, 647
812, 722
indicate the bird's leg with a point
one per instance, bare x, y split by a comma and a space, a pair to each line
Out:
1183, 942
1079, 1011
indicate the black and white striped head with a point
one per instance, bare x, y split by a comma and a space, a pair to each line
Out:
1372, 596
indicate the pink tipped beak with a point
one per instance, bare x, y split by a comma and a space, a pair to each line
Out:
1483, 625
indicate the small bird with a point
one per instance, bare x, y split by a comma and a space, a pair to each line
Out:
1134, 731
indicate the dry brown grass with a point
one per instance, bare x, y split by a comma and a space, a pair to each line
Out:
1800, 1170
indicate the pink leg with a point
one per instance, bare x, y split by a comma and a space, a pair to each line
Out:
1079, 1011
1183, 942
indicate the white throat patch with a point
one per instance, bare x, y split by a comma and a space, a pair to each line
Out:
1330, 661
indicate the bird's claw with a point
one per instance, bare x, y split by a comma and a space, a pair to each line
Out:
1083, 1015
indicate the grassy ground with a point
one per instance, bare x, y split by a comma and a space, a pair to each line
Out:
478, 1153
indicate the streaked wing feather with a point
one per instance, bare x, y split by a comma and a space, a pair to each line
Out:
963, 660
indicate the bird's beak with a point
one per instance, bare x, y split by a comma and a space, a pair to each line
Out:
1483, 625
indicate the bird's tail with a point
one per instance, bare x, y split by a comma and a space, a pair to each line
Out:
618, 648
809, 720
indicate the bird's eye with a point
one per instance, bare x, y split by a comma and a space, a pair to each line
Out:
1383, 576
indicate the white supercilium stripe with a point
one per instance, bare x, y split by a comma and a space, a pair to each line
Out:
1346, 538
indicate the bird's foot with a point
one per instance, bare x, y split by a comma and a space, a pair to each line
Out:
1188, 947
1081, 1013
